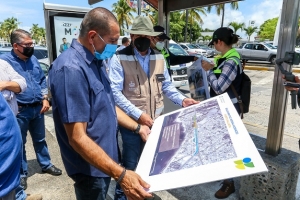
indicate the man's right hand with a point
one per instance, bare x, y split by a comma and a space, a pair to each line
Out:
134, 186
297, 80
144, 132
145, 119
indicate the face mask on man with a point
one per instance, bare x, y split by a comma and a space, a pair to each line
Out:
142, 44
160, 45
27, 51
108, 51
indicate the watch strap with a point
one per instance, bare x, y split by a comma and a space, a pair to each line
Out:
137, 130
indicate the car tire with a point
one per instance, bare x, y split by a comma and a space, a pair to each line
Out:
273, 59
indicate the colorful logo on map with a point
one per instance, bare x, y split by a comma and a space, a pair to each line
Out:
242, 164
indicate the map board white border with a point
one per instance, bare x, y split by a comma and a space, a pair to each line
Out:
240, 138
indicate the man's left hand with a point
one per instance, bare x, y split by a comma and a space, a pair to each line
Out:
188, 102
144, 132
46, 106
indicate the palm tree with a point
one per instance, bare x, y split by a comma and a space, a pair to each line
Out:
221, 9
9, 25
123, 13
250, 30
152, 14
207, 38
191, 16
38, 34
2, 31
236, 26
34, 31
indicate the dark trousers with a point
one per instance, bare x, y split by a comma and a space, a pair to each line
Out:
132, 149
89, 187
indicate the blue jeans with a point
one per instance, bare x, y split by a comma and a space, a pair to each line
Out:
90, 188
30, 119
132, 149
20, 193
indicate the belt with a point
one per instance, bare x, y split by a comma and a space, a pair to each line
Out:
30, 104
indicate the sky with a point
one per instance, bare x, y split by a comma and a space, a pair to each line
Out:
30, 12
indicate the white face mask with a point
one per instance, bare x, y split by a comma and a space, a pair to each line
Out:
160, 45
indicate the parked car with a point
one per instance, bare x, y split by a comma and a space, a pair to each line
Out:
179, 72
258, 51
210, 52
192, 49
4, 50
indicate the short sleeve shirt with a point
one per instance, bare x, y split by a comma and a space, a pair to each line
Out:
10, 149
81, 92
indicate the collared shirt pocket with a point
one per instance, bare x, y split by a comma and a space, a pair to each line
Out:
97, 87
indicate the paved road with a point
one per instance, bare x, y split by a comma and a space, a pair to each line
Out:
256, 121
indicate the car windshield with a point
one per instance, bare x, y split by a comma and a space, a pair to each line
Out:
177, 50
191, 46
270, 46
203, 47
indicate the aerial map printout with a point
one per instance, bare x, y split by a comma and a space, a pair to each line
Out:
198, 144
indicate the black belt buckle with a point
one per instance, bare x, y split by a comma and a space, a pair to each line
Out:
30, 104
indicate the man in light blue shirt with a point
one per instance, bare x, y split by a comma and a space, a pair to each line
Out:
139, 78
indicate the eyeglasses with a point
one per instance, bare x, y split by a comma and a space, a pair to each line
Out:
26, 44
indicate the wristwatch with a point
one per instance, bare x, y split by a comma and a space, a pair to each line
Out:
45, 98
137, 130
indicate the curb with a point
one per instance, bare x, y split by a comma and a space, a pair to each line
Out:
296, 70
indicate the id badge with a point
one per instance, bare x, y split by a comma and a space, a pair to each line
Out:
160, 77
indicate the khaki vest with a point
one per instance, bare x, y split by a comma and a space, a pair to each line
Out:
144, 93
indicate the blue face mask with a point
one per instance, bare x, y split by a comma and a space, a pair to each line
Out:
108, 51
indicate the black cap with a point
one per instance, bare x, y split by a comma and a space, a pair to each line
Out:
162, 36
221, 34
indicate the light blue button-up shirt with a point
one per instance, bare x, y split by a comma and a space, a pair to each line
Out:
116, 75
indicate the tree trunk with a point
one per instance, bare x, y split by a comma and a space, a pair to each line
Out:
186, 24
223, 13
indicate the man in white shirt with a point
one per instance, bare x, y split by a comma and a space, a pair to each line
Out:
11, 83
125, 43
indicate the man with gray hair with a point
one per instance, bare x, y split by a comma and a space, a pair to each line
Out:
85, 115
32, 103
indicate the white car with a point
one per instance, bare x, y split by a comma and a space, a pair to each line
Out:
179, 72
192, 49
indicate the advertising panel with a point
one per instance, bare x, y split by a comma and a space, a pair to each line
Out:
66, 29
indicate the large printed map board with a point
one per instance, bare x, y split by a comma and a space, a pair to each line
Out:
199, 144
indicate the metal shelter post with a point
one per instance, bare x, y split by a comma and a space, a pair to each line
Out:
139, 6
287, 35
161, 16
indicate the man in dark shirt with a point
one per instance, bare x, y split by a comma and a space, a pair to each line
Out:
32, 103
171, 59
10, 152
85, 114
